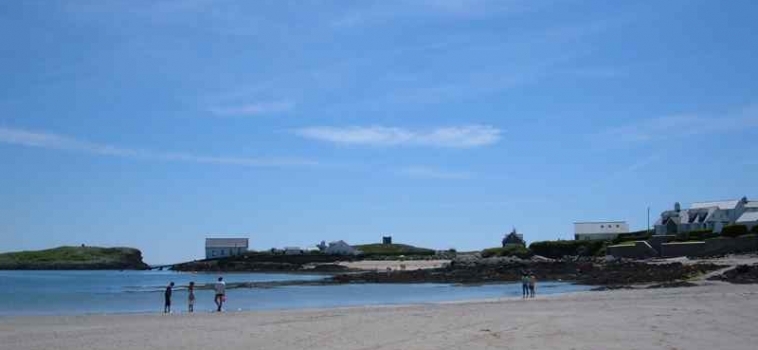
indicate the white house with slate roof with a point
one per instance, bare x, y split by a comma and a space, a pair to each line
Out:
705, 216
223, 247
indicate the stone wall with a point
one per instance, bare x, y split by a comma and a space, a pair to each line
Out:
656, 241
662, 246
719, 246
640, 250
675, 249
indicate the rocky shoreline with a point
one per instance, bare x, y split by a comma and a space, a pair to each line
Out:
741, 274
587, 272
605, 275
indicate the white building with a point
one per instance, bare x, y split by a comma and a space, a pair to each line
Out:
703, 216
223, 247
600, 230
292, 251
749, 219
341, 248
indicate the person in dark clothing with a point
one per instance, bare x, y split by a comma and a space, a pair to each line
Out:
167, 295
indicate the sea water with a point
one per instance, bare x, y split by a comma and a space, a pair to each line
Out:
94, 292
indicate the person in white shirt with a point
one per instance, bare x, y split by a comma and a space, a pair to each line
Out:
220, 288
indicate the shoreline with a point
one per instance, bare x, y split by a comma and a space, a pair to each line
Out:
682, 318
244, 297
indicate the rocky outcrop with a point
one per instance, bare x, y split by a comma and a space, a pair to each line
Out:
742, 274
510, 270
320, 263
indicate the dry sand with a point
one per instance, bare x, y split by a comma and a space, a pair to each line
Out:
382, 265
717, 316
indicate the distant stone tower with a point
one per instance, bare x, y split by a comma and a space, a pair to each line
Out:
677, 207
386, 240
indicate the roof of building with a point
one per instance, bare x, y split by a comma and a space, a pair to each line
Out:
513, 238
226, 242
751, 204
601, 222
338, 242
749, 216
723, 205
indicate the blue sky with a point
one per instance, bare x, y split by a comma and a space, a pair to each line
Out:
444, 123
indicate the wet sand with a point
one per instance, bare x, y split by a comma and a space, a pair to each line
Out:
714, 316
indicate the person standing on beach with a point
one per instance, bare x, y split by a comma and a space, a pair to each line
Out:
532, 284
220, 288
167, 298
524, 285
191, 300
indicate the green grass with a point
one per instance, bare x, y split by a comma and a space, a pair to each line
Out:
518, 251
623, 244
393, 249
63, 255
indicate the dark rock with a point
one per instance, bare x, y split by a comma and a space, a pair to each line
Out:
742, 274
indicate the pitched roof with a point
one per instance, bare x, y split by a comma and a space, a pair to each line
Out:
751, 204
748, 217
513, 238
226, 242
723, 205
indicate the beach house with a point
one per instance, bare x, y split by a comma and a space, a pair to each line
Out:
599, 230
712, 216
513, 239
224, 247
341, 248
292, 251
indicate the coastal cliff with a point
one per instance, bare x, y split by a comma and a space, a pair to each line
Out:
74, 258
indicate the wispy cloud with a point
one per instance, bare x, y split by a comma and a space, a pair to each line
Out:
453, 137
259, 108
671, 126
423, 172
46, 140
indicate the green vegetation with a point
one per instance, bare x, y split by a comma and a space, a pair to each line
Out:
734, 231
633, 236
517, 251
75, 258
697, 235
754, 229
558, 249
379, 249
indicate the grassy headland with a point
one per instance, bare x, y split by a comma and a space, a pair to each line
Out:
379, 249
74, 258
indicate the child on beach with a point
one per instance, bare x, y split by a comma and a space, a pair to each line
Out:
532, 283
191, 291
167, 298
220, 288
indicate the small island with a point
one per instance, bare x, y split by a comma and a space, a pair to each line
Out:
74, 258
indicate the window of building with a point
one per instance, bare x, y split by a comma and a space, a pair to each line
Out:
601, 226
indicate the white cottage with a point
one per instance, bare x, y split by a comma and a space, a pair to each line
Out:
341, 248
712, 216
224, 247
599, 230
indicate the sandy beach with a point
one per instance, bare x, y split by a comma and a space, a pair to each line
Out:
714, 316
383, 265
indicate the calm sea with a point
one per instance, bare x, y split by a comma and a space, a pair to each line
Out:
87, 292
